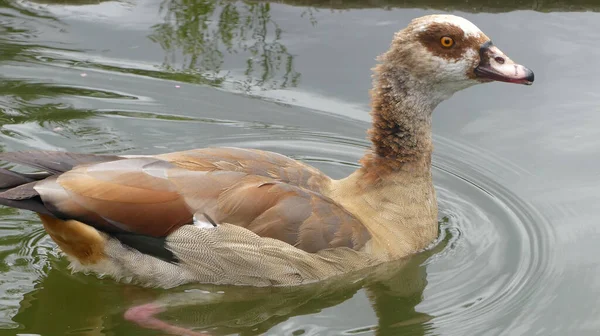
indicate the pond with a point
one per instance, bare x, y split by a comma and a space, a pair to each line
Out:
515, 168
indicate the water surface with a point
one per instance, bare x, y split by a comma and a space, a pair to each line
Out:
515, 168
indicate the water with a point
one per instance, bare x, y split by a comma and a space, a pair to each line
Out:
515, 167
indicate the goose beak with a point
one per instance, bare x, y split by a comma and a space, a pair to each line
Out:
496, 66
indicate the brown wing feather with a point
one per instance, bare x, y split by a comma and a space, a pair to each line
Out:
253, 162
290, 213
118, 196
154, 197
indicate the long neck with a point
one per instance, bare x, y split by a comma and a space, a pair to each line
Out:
392, 193
401, 131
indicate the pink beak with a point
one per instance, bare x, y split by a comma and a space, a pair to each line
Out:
494, 65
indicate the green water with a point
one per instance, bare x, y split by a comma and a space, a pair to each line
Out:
515, 168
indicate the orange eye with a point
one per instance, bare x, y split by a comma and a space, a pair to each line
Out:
447, 42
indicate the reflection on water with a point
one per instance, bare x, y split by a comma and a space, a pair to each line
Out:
453, 5
202, 31
226, 310
446, 5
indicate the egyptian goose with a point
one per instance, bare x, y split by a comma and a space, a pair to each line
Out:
250, 217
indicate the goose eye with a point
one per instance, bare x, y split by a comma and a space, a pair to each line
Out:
447, 42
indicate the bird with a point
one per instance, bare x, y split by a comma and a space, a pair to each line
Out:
237, 216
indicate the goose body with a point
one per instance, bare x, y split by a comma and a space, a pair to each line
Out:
251, 217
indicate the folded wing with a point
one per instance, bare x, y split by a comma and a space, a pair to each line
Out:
268, 194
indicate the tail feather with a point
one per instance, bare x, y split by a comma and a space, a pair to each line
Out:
24, 191
10, 179
36, 175
54, 162
31, 204
16, 189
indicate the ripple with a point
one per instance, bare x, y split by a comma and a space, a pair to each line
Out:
501, 256
182, 118
31, 90
21, 260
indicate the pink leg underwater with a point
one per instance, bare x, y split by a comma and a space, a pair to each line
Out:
144, 317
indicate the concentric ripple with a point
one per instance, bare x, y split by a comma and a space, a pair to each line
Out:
496, 266
491, 264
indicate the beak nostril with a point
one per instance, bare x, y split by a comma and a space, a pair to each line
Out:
499, 59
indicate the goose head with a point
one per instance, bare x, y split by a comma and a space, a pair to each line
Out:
439, 55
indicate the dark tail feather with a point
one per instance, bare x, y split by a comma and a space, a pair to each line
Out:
23, 196
16, 189
32, 204
54, 162
9, 179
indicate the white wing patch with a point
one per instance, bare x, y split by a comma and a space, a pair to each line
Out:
202, 222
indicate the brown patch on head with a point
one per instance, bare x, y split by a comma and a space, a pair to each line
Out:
431, 37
